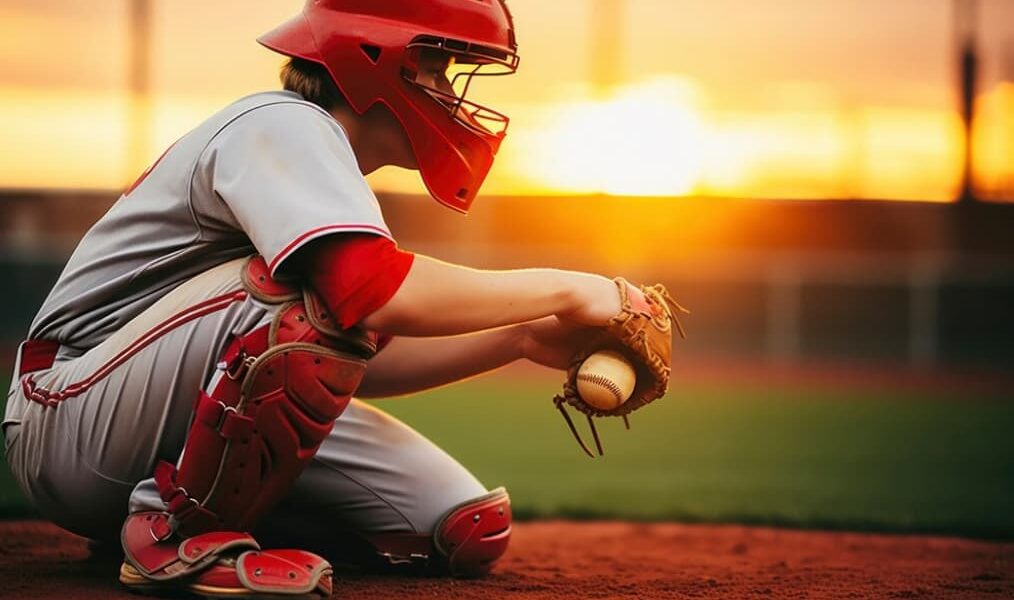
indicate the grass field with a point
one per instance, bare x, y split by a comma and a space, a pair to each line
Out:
892, 461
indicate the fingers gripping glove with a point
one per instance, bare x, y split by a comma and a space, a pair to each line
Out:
217, 564
641, 331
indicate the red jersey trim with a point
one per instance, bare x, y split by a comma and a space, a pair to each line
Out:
318, 232
148, 171
51, 398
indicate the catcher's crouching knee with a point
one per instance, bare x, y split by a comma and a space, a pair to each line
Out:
466, 541
474, 535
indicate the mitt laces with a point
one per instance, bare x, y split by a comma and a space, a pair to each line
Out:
661, 295
559, 401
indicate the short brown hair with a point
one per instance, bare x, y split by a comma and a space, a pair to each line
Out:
311, 81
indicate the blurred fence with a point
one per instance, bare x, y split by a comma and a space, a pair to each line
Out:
898, 283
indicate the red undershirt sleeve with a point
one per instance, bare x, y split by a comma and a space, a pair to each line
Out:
355, 273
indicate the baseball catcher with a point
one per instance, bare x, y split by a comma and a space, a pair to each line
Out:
190, 387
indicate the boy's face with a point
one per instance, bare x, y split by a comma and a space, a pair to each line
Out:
433, 68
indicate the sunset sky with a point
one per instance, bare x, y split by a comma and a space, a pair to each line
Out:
785, 98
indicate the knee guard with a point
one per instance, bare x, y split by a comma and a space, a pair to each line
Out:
473, 535
280, 390
466, 542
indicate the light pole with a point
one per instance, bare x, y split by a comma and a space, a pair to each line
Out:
139, 87
966, 15
607, 22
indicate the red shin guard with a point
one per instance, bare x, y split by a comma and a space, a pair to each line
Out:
281, 389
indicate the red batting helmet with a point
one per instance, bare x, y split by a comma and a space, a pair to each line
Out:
373, 50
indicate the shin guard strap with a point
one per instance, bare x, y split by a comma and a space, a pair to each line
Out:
186, 513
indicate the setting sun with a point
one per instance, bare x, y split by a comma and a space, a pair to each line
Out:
642, 140
750, 105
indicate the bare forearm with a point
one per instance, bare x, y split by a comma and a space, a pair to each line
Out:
410, 365
441, 299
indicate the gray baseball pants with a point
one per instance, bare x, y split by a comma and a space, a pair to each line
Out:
87, 461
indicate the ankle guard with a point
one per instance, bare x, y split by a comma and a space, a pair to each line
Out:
217, 564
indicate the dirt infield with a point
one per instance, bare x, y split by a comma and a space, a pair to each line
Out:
607, 560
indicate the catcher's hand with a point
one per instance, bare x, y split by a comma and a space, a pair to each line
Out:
642, 331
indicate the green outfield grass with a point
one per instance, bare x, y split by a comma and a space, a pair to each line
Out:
890, 461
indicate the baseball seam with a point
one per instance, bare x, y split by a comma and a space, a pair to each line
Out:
605, 382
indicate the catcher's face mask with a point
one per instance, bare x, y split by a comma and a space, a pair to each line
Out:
447, 70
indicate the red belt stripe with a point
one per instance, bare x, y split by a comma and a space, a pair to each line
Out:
43, 350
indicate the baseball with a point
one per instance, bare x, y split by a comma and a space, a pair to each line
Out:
606, 380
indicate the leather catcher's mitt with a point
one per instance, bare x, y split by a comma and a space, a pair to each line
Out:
641, 331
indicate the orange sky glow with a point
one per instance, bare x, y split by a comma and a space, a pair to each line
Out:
795, 100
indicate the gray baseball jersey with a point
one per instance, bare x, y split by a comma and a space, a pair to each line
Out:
269, 172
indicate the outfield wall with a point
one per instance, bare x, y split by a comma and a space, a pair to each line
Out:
913, 284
